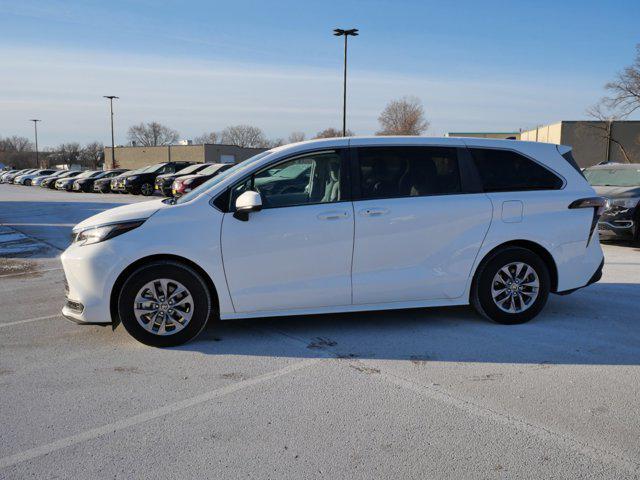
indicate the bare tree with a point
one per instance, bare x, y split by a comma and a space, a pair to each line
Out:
16, 144
332, 132
211, 137
91, 155
276, 142
624, 91
403, 117
296, 137
67, 153
244, 136
603, 128
152, 134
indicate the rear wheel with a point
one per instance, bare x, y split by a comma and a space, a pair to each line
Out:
146, 189
511, 286
164, 304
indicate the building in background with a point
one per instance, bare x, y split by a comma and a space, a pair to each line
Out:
137, 157
593, 142
498, 135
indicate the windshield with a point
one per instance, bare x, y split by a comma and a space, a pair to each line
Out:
221, 176
212, 169
152, 168
613, 177
86, 174
190, 169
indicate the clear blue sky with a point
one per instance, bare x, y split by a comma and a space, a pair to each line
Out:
199, 66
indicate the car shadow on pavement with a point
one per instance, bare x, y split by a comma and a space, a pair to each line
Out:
573, 329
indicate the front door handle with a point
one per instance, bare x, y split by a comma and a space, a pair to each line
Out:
333, 215
374, 212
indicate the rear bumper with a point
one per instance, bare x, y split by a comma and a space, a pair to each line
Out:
597, 275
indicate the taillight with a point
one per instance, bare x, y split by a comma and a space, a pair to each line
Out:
598, 204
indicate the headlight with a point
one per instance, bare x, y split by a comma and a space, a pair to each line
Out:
101, 233
188, 181
133, 177
625, 202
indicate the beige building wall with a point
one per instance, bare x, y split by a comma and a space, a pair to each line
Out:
138, 157
589, 139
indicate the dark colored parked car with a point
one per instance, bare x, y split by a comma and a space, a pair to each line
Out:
164, 181
85, 184
50, 182
620, 184
185, 184
103, 184
67, 183
144, 181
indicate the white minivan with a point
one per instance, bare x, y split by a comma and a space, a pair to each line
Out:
343, 225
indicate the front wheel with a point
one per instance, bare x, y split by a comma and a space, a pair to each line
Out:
164, 304
511, 286
27, 182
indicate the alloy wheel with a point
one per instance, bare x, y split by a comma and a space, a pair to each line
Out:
515, 287
163, 306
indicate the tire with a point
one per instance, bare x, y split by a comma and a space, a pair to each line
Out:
517, 299
168, 275
146, 189
27, 182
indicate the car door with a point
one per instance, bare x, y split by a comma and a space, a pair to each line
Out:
296, 252
418, 225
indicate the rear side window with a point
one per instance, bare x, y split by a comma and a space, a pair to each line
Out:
508, 171
392, 172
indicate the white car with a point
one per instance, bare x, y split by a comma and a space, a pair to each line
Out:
343, 225
27, 179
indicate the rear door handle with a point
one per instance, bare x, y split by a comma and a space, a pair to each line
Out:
333, 215
374, 212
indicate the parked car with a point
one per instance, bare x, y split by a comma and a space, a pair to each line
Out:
620, 184
185, 183
381, 223
37, 181
142, 182
5, 173
10, 177
103, 184
50, 181
164, 181
67, 183
86, 184
27, 179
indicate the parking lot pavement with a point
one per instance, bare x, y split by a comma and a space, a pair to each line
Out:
400, 394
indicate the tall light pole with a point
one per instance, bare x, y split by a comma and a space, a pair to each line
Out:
338, 32
35, 127
113, 143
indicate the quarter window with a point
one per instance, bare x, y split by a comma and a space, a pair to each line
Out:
309, 179
508, 171
392, 172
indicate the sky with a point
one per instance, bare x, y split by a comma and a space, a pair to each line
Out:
198, 66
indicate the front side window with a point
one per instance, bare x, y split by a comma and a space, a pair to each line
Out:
508, 171
309, 179
396, 172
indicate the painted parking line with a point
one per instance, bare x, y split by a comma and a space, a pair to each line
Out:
29, 320
150, 415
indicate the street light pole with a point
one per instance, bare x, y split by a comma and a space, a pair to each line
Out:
338, 32
35, 127
113, 146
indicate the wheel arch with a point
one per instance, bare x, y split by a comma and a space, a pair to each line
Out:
117, 286
536, 248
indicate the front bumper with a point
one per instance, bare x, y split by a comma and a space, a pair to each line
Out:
618, 221
90, 272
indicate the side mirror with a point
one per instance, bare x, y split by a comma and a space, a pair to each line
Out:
249, 201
